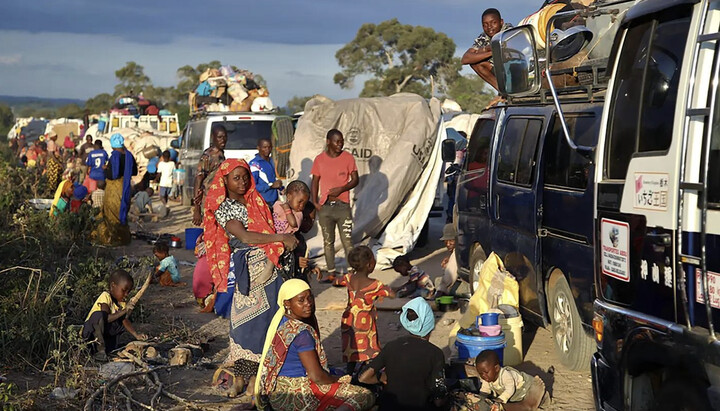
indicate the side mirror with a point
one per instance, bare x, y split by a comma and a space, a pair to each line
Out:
516, 62
448, 150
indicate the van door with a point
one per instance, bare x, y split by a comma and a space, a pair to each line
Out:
638, 192
516, 203
193, 142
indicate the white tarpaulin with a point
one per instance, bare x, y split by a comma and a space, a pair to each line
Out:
396, 144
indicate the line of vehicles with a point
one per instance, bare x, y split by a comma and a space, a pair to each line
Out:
603, 198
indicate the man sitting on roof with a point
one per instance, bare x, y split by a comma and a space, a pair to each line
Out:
479, 56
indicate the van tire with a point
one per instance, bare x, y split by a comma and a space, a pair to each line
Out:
477, 259
682, 394
572, 344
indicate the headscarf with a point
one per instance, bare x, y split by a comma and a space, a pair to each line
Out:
425, 322
117, 140
288, 290
216, 239
58, 193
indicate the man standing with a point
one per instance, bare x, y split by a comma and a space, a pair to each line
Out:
479, 56
263, 171
334, 174
209, 163
86, 148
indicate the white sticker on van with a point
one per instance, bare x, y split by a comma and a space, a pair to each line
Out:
615, 246
651, 191
713, 288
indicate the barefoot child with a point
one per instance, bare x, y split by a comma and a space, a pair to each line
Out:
419, 284
166, 273
359, 332
107, 319
288, 216
509, 388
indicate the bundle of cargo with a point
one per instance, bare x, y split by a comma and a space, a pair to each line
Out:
137, 106
226, 90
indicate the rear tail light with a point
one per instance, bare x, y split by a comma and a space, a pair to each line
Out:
598, 324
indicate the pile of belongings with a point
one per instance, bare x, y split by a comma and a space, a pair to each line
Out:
226, 90
137, 106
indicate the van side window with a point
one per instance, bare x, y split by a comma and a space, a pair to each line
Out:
714, 160
563, 166
196, 135
516, 155
646, 89
479, 144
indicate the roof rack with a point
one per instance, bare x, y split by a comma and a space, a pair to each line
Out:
202, 113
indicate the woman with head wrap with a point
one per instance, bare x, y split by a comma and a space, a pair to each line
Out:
243, 253
293, 372
53, 171
411, 367
113, 228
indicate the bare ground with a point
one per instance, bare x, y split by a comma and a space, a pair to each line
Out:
173, 314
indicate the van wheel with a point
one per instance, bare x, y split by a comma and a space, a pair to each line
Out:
682, 394
573, 345
476, 261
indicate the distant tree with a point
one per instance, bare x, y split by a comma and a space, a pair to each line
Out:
471, 92
7, 120
37, 112
71, 110
132, 79
398, 57
99, 103
297, 104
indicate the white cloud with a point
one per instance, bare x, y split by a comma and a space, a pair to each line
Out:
81, 66
10, 59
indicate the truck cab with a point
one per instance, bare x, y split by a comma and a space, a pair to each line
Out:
656, 218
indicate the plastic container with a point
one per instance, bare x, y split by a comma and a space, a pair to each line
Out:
469, 346
512, 329
191, 236
179, 177
490, 330
488, 319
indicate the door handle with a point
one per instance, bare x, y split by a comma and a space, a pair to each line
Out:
497, 206
661, 239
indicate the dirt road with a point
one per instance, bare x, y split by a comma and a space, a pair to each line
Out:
174, 309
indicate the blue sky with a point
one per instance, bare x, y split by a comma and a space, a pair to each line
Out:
71, 48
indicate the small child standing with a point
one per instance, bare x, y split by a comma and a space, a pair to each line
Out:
358, 328
98, 196
166, 273
419, 284
509, 388
165, 169
108, 317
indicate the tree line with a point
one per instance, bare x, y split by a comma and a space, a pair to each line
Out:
394, 57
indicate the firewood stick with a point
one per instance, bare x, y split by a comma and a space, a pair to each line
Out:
140, 293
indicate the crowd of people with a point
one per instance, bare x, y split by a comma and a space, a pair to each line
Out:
253, 269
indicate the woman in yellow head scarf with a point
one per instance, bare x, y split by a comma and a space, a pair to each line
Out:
293, 373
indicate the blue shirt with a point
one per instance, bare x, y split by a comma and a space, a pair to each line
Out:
264, 175
170, 264
173, 154
292, 367
96, 159
152, 165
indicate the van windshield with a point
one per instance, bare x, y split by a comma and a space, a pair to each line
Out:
244, 134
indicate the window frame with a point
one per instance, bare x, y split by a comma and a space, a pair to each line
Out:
498, 158
561, 140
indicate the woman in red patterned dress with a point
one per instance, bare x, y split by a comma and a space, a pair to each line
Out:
359, 332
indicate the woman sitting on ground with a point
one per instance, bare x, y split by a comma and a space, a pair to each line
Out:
293, 374
243, 253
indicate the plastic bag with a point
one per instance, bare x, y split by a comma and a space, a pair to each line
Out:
495, 286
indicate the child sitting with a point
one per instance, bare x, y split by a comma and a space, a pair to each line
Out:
141, 201
107, 319
80, 197
419, 284
509, 388
166, 273
358, 328
411, 368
